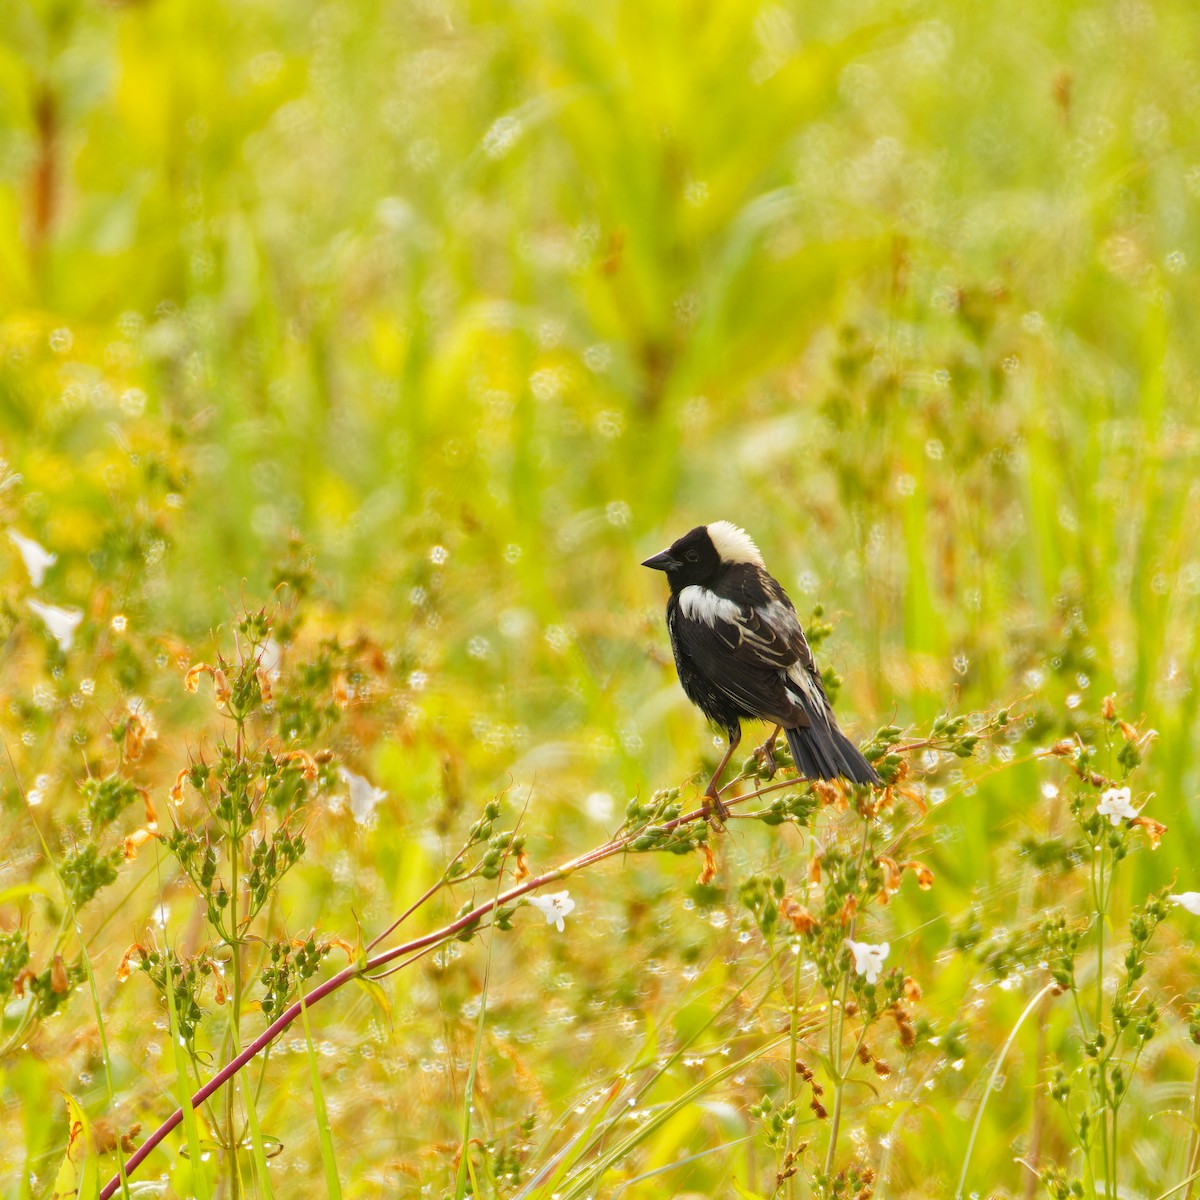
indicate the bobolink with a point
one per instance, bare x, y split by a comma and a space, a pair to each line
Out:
741, 654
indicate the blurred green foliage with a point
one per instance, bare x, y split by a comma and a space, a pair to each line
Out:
447, 314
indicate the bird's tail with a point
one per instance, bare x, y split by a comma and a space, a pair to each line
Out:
822, 751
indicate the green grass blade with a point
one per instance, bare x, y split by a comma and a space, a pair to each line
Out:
333, 1187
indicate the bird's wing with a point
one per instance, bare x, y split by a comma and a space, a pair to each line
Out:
750, 651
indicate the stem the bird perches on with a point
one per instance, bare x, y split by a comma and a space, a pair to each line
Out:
614, 846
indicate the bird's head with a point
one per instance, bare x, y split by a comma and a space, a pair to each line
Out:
702, 552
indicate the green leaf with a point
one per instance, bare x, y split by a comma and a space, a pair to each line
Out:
79, 1175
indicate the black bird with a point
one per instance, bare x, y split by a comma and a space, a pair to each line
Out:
741, 654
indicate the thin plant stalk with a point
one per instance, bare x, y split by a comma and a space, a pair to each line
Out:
991, 1084
609, 849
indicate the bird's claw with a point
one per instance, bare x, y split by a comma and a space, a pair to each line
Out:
715, 812
765, 756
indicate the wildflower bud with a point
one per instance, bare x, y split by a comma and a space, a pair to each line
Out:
1128, 731
1108, 708
850, 1008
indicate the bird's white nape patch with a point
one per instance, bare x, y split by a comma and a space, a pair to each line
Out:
732, 543
700, 604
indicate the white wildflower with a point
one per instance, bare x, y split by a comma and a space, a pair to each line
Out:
269, 657
365, 798
554, 907
1115, 805
61, 622
1188, 900
37, 559
868, 958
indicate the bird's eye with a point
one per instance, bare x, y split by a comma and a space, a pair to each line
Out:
692, 556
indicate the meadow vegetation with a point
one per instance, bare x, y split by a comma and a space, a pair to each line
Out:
352, 357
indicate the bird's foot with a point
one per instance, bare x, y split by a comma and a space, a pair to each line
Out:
715, 812
765, 756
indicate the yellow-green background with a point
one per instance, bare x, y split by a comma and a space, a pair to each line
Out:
908, 290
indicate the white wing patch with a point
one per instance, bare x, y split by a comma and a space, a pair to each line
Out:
700, 604
732, 543
798, 674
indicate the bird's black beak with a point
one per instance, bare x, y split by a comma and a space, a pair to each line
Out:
663, 561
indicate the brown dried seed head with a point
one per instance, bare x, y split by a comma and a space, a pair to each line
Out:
922, 872
1108, 708
264, 685
1065, 748
137, 838
891, 873
912, 989
708, 872
882, 1069
59, 983
191, 681
828, 792
801, 919
134, 743
1154, 829
814, 869
123, 966
176, 793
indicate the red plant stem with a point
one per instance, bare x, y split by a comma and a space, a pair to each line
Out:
346, 974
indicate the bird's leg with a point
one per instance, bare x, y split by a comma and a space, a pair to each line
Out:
712, 799
766, 753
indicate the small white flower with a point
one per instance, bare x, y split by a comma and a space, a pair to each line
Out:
37, 559
554, 907
868, 958
365, 798
270, 655
61, 622
1188, 900
1114, 804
